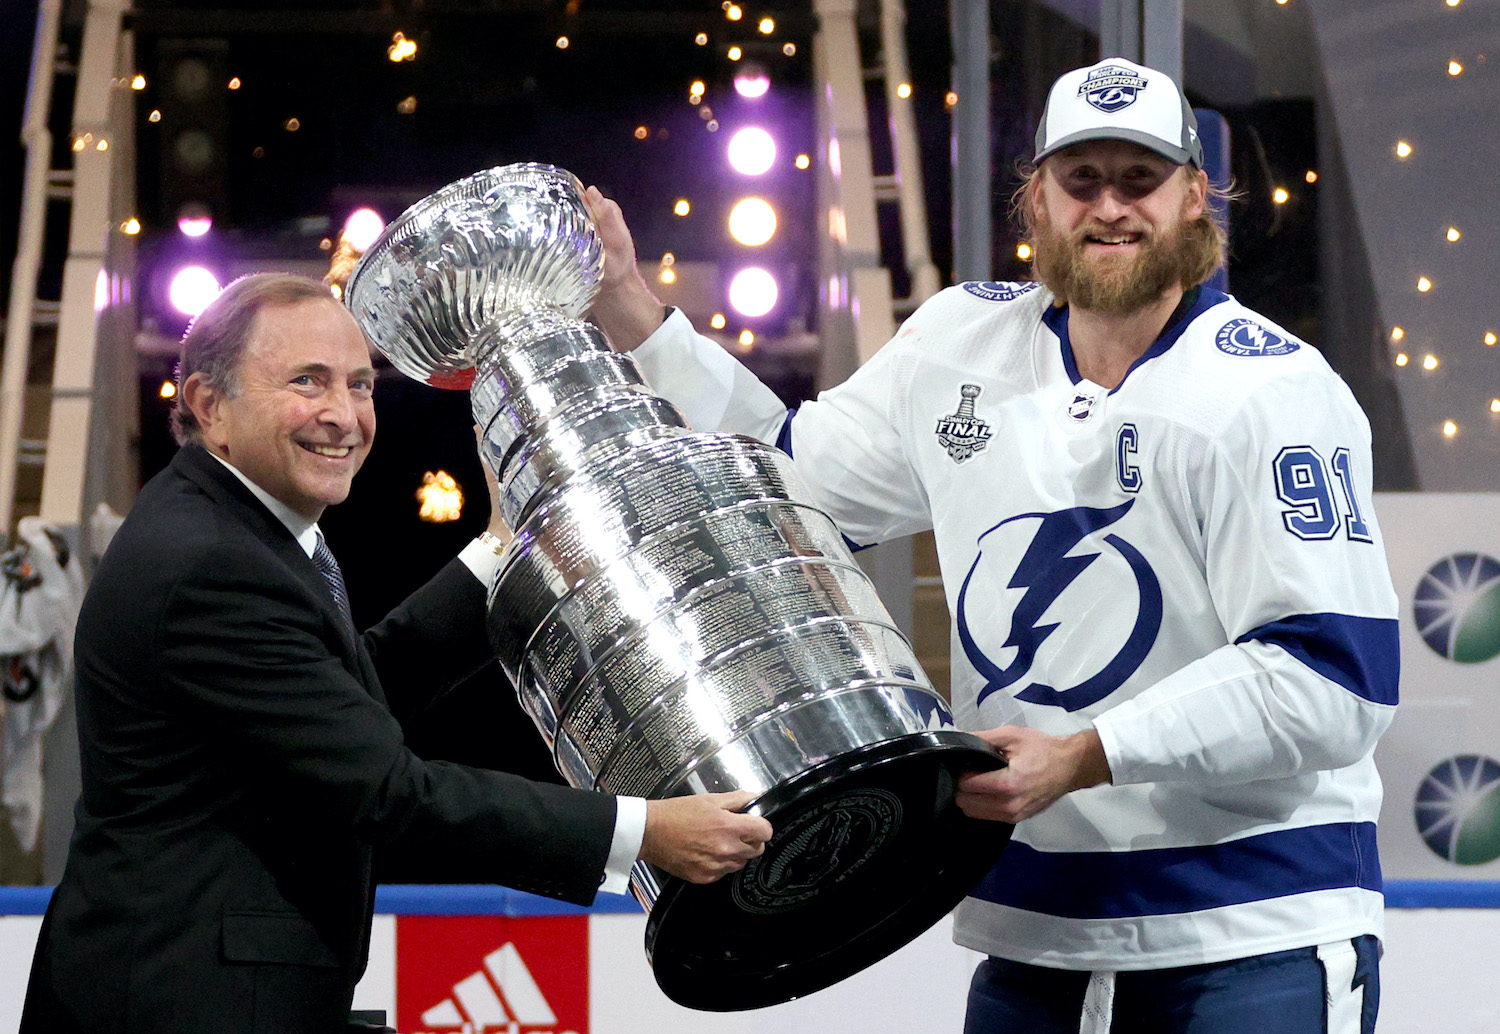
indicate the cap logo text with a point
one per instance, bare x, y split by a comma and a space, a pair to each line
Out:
1111, 88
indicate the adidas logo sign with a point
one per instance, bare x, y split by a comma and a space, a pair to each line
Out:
501, 998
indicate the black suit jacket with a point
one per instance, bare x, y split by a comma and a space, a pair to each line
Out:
242, 754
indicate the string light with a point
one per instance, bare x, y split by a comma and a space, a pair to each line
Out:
1311, 177
1429, 362
102, 145
1489, 338
401, 48
717, 321
682, 207
1402, 358
803, 161
1454, 234
1397, 333
789, 49
667, 276
701, 39
733, 12
1455, 69
167, 390
1449, 428
950, 100
641, 132
747, 338
903, 91
130, 227
696, 88
1423, 284
1023, 251
1454, 3
735, 53
155, 115
1495, 405
1280, 196
668, 259
407, 105
562, 43
291, 125
767, 26
1403, 149
234, 84
138, 82
441, 498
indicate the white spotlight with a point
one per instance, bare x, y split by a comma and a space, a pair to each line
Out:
752, 151
752, 221
193, 287
753, 292
362, 227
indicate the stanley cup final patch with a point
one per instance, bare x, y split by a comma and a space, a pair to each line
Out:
962, 433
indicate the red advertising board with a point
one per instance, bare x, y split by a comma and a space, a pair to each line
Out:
492, 974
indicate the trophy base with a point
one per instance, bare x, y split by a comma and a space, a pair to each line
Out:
869, 851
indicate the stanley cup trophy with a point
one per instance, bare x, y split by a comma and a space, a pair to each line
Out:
675, 615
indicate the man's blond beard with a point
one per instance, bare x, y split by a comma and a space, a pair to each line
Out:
1114, 287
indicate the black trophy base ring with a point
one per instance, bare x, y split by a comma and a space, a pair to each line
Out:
869, 851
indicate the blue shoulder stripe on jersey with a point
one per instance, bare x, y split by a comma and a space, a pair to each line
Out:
1361, 654
784, 443
1199, 301
1167, 880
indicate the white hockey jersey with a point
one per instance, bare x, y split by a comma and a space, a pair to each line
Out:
1189, 563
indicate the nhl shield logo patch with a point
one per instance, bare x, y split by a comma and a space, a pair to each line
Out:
962, 433
1111, 88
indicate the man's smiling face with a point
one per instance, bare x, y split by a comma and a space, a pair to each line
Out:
1110, 217
303, 416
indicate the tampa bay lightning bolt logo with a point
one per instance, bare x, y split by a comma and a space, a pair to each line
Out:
1111, 88
999, 290
1052, 564
1246, 337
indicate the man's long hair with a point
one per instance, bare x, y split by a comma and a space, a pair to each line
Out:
215, 342
1202, 251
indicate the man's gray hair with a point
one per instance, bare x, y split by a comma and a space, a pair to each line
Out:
215, 342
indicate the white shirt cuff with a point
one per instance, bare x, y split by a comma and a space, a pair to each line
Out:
479, 557
625, 848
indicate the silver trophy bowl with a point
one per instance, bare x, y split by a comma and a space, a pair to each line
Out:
675, 615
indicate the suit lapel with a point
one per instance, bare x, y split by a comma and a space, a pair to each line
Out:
194, 463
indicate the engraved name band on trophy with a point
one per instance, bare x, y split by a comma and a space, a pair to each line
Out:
675, 615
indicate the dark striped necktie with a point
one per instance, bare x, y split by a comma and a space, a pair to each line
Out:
328, 567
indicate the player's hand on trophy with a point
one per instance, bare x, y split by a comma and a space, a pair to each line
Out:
624, 308
701, 837
1038, 770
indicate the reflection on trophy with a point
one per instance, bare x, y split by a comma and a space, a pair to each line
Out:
674, 614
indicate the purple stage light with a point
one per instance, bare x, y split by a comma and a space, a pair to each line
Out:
752, 151
753, 292
751, 81
362, 227
193, 287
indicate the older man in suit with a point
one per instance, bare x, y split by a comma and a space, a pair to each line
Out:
242, 745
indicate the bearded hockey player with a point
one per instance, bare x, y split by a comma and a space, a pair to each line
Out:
1171, 607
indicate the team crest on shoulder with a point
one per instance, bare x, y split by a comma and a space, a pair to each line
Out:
962, 433
1246, 337
1111, 88
998, 290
